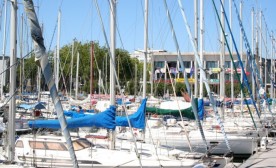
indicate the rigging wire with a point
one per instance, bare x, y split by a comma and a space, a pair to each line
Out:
218, 32
203, 75
245, 81
15, 64
55, 28
1, 14
178, 106
249, 57
194, 106
271, 35
99, 72
117, 28
52, 39
117, 80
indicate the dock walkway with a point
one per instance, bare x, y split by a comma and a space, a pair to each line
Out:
263, 158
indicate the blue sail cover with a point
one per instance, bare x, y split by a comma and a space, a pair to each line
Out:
137, 120
38, 105
73, 114
105, 119
200, 109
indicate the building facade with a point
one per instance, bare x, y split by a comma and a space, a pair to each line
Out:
211, 65
165, 65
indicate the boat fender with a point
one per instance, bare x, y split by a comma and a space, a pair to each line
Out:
264, 142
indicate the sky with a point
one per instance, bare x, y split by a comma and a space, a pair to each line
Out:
80, 20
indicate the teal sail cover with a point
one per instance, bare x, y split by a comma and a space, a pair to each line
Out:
105, 119
137, 120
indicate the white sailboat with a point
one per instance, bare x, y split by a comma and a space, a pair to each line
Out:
51, 151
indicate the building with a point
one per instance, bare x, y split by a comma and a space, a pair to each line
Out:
211, 65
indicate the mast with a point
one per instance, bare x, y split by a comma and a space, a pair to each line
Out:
112, 49
273, 61
38, 83
183, 69
196, 43
146, 49
265, 67
21, 61
100, 81
135, 80
42, 58
273, 58
91, 71
201, 36
71, 70
112, 57
222, 62
232, 66
271, 68
106, 73
77, 76
3, 52
58, 48
261, 48
55, 65
152, 74
203, 76
241, 48
253, 59
145, 60
13, 52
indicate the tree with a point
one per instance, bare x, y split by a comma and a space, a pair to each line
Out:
124, 67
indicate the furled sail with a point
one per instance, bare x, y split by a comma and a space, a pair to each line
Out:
137, 120
105, 119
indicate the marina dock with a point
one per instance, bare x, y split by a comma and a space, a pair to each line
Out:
264, 157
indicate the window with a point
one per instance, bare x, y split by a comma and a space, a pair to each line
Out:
159, 64
214, 76
84, 143
227, 64
172, 64
19, 144
187, 64
37, 145
77, 146
56, 146
211, 64
81, 144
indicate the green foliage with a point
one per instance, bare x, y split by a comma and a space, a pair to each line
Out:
159, 89
125, 67
179, 87
30, 72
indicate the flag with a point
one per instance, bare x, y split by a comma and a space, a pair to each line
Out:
192, 71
